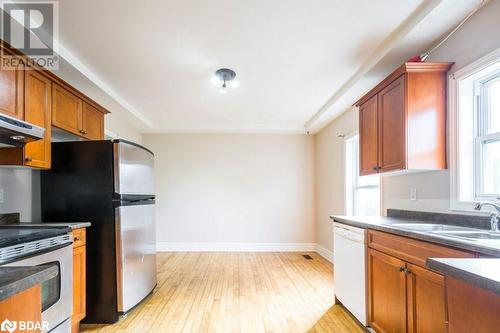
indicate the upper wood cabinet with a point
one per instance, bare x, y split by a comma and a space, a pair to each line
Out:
37, 93
92, 122
12, 91
71, 113
43, 99
37, 111
402, 121
67, 110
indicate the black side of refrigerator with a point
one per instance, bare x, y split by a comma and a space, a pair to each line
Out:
79, 188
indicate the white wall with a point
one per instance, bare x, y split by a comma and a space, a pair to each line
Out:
122, 127
330, 166
21, 193
229, 188
476, 38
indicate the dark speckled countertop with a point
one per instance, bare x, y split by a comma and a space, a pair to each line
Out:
14, 280
483, 273
387, 224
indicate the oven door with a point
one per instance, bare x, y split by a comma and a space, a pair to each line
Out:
57, 293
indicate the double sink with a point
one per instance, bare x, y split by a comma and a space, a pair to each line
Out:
451, 231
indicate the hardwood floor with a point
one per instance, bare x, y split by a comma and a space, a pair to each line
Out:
238, 292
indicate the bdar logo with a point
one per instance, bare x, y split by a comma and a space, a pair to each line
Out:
8, 325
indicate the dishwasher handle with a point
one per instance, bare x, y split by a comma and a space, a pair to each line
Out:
349, 235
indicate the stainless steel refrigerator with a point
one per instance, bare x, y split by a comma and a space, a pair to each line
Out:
111, 185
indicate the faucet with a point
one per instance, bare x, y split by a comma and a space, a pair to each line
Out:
495, 216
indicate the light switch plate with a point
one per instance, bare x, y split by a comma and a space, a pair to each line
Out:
413, 194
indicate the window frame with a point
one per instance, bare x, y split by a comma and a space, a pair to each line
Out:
457, 203
351, 179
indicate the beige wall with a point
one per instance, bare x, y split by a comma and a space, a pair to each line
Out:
476, 38
233, 188
330, 166
122, 127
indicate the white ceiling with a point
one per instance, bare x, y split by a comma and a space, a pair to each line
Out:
156, 58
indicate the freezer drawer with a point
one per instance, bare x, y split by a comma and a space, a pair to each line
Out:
133, 169
135, 254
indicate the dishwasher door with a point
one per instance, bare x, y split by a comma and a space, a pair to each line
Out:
349, 253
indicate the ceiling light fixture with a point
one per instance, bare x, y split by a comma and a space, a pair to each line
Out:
223, 77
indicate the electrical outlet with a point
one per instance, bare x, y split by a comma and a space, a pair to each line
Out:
1, 195
413, 194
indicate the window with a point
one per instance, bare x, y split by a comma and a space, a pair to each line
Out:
487, 150
475, 132
362, 193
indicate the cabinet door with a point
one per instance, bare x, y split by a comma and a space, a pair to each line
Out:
386, 293
67, 110
368, 137
12, 91
37, 111
426, 301
92, 122
392, 118
79, 286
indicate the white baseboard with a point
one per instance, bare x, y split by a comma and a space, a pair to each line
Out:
324, 252
235, 247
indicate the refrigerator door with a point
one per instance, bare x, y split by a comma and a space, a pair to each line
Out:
133, 169
135, 252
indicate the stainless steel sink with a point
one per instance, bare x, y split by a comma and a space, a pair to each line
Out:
429, 227
477, 235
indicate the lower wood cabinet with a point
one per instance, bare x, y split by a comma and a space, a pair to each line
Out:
471, 309
79, 279
403, 296
25, 306
387, 292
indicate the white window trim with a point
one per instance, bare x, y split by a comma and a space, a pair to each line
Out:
453, 126
348, 189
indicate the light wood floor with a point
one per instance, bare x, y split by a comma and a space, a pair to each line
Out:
238, 292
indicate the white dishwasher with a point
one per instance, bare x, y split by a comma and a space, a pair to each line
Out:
349, 253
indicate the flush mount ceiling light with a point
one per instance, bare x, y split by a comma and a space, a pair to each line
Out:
223, 77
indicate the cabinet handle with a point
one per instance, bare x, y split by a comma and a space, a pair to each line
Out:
375, 168
28, 159
402, 269
76, 239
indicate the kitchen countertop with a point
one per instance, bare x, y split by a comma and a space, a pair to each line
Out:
14, 280
12, 235
386, 224
483, 273
72, 225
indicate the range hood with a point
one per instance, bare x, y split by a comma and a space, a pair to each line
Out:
15, 132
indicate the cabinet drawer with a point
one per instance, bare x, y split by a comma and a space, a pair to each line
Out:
79, 237
411, 250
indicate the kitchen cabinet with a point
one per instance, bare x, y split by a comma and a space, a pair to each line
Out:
67, 110
402, 121
71, 113
92, 122
37, 112
37, 108
368, 137
471, 309
387, 292
12, 91
24, 306
41, 98
79, 278
403, 295
426, 300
